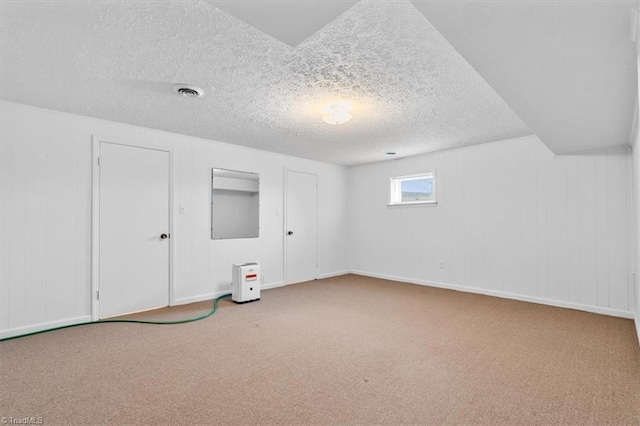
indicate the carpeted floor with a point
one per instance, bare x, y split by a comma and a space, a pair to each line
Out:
343, 350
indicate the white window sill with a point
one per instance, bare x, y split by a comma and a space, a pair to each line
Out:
412, 203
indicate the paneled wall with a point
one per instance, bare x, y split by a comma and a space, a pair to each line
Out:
45, 268
635, 142
512, 220
636, 216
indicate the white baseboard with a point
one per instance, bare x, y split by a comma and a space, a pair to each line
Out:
269, 286
273, 285
18, 331
333, 274
199, 298
320, 277
505, 295
211, 296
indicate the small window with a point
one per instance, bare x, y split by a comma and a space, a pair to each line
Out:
415, 189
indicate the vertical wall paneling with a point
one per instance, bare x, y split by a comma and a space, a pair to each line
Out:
16, 229
472, 215
602, 203
573, 231
520, 223
636, 190
632, 214
83, 185
543, 159
6, 185
528, 219
36, 233
557, 232
586, 223
493, 259
45, 278
61, 217
618, 229
456, 262
510, 197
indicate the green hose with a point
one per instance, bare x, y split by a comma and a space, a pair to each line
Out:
207, 315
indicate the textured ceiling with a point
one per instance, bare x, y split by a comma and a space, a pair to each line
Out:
567, 68
413, 92
268, 67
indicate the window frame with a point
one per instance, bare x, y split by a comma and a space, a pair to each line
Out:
395, 191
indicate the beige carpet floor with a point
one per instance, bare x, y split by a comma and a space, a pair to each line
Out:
349, 350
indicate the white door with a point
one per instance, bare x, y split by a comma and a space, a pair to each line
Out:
134, 229
301, 227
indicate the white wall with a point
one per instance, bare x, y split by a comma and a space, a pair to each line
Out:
635, 143
46, 213
511, 220
636, 220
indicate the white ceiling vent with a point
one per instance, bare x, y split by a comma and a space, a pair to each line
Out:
188, 90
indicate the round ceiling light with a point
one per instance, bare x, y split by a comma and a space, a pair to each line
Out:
188, 90
337, 112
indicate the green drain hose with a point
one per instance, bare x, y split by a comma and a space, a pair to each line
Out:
207, 315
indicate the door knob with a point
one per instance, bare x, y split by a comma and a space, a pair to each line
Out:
164, 236
290, 233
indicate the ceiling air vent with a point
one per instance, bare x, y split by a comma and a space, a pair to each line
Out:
188, 90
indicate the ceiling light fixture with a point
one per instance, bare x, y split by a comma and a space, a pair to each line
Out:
337, 112
188, 90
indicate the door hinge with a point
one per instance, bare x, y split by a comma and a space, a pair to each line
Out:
98, 161
98, 295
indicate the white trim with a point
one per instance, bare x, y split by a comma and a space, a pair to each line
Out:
284, 226
17, 331
412, 203
95, 218
211, 296
333, 274
200, 298
634, 125
172, 235
273, 285
637, 321
504, 295
395, 192
95, 228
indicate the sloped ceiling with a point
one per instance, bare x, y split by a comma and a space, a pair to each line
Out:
269, 67
291, 22
567, 68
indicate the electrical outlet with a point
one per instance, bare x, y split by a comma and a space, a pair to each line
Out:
441, 264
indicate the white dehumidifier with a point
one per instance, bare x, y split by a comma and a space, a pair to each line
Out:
245, 284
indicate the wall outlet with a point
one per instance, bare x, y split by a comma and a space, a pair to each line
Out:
441, 264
